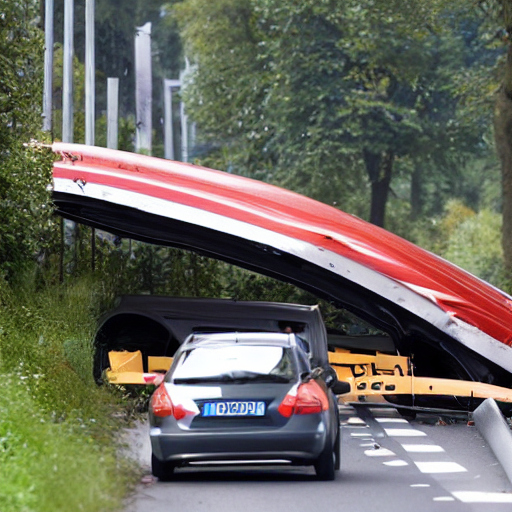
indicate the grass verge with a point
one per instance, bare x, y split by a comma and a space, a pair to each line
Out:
58, 430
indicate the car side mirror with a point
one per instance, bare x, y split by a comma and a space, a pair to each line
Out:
316, 372
340, 387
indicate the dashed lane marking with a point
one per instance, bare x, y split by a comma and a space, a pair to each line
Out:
380, 452
396, 463
440, 467
422, 448
483, 497
392, 420
404, 432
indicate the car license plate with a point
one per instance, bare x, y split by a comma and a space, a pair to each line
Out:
234, 409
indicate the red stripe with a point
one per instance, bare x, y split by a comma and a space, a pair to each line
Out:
295, 216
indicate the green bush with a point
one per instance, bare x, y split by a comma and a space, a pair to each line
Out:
51, 466
57, 428
476, 246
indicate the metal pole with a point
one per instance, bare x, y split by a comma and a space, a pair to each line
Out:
183, 114
67, 71
168, 117
143, 88
112, 112
48, 66
89, 73
184, 133
90, 98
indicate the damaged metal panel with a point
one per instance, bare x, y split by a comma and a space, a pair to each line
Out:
451, 323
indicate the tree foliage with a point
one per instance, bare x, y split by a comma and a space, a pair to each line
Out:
333, 98
25, 207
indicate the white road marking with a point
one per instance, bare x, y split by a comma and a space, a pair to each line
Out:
440, 467
444, 498
396, 463
381, 452
420, 485
422, 448
483, 497
391, 420
360, 434
356, 421
404, 432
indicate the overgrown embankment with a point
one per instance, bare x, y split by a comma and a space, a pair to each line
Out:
58, 430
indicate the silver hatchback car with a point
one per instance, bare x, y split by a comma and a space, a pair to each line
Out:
245, 398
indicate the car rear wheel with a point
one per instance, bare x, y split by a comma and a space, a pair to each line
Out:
164, 471
325, 464
337, 452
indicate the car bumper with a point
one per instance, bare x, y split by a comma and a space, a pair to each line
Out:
291, 444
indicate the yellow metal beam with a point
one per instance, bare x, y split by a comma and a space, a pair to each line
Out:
372, 377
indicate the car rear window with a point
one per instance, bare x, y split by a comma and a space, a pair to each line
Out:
236, 361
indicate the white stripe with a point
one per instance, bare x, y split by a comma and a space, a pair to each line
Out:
381, 452
400, 293
396, 463
356, 421
440, 467
444, 498
404, 432
391, 420
422, 448
483, 497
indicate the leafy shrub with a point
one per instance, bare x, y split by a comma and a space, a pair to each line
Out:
57, 428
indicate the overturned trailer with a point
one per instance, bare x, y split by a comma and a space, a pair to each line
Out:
448, 323
138, 338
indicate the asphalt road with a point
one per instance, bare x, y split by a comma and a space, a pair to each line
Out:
388, 464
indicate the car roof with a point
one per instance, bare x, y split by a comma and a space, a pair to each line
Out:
240, 338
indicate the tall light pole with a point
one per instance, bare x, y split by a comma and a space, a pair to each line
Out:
48, 66
112, 112
169, 85
89, 73
67, 71
143, 88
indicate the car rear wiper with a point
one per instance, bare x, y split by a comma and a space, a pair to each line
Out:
233, 377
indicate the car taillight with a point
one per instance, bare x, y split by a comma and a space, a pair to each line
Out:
308, 398
163, 406
161, 402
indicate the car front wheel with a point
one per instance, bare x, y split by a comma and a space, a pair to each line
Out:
162, 470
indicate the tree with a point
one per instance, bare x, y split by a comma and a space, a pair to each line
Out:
226, 91
25, 211
307, 94
503, 127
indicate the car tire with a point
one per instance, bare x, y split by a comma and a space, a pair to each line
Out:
337, 452
325, 465
164, 471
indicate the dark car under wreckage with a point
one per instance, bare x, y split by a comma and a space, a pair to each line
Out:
448, 333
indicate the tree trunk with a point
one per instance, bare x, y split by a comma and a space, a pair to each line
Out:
503, 138
380, 171
417, 202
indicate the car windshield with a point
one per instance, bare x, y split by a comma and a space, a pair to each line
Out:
237, 363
